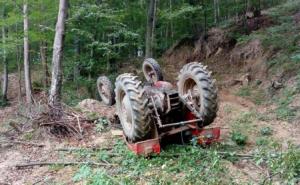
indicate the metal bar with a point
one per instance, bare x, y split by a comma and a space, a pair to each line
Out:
156, 113
180, 123
189, 107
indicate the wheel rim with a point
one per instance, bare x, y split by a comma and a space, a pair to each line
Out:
126, 113
191, 92
104, 92
150, 73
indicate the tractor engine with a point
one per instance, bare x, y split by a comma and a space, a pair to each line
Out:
163, 98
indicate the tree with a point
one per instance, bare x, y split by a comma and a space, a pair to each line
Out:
216, 11
56, 79
150, 28
5, 70
26, 55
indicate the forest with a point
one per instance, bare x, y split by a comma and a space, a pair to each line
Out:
84, 82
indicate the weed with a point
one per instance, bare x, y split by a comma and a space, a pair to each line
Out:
262, 141
244, 91
285, 165
83, 173
243, 122
28, 136
239, 138
228, 109
176, 164
266, 131
101, 124
283, 111
257, 96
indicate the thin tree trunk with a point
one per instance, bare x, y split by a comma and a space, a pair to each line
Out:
5, 70
43, 52
150, 28
26, 56
56, 80
216, 11
205, 16
19, 62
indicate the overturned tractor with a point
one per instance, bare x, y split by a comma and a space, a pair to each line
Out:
156, 111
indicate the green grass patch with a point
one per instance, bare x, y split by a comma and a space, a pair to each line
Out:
284, 111
283, 164
257, 96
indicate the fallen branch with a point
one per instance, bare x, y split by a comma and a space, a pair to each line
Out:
23, 143
80, 149
31, 164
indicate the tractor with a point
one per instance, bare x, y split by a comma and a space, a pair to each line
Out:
156, 111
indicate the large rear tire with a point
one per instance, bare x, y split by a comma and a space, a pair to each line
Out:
196, 86
152, 70
132, 107
105, 90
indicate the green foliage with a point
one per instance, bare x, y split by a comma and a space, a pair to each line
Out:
266, 131
101, 124
255, 94
244, 91
284, 164
239, 138
188, 161
284, 111
83, 172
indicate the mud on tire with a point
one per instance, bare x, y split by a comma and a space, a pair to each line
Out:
194, 79
152, 70
105, 90
132, 107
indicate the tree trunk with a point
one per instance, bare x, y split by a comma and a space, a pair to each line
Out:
5, 70
56, 80
216, 11
150, 28
26, 56
19, 63
43, 52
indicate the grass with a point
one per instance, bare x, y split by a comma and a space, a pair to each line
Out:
176, 164
284, 111
187, 164
283, 165
256, 95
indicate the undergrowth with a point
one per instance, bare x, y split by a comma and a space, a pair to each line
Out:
253, 93
186, 164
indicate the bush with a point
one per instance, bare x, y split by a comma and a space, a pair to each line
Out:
239, 138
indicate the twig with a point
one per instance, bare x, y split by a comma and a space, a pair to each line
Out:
61, 163
237, 155
78, 123
15, 126
79, 149
24, 143
270, 177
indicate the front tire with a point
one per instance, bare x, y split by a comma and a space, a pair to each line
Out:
105, 90
152, 70
196, 85
132, 107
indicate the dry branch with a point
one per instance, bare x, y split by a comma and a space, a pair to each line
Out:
31, 164
80, 149
23, 143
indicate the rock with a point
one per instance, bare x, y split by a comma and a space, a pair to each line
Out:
91, 107
277, 85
